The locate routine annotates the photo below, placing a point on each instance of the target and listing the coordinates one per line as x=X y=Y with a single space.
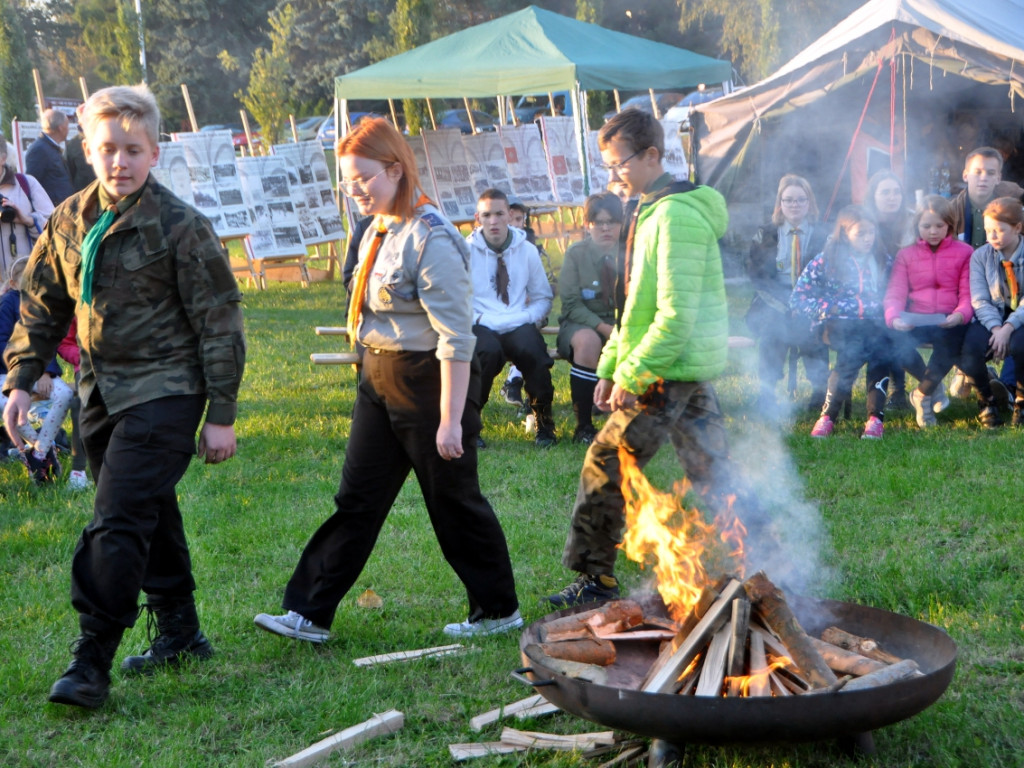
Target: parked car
x=529 y=108
x=681 y=111
x=307 y=127
x=326 y=133
x=643 y=101
x=457 y=118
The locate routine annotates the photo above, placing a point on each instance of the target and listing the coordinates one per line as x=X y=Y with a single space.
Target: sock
x=582 y=383
x=608 y=581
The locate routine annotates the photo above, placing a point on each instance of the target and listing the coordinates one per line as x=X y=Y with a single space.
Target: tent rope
x=856 y=132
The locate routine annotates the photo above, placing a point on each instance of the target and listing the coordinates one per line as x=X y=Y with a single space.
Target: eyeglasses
x=350 y=187
x=794 y=200
x=617 y=167
x=603 y=224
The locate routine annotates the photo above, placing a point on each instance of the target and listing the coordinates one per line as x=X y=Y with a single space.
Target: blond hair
x=134 y=106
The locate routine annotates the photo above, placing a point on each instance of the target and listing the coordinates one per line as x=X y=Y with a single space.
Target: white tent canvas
x=911 y=84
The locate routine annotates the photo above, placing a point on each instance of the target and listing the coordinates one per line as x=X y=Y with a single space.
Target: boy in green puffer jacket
x=670 y=341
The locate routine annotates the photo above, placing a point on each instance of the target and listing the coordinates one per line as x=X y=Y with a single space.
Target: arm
x=538 y=289
x=806 y=299
x=454 y=385
x=981 y=294
x=570 y=287
x=897 y=291
x=212 y=302
x=963 y=305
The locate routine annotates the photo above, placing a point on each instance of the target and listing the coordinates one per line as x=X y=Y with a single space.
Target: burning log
x=760 y=684
x=612 y=617
x=771 y=603
x=707 y=598
x=662 y=679
x=713 y=673
x=738 y=644
x=589 y=651
x=865 y=646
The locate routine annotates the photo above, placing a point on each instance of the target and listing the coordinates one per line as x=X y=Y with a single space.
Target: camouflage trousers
x=685 y=412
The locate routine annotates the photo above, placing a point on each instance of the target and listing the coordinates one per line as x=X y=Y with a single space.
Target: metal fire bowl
x=720 y=720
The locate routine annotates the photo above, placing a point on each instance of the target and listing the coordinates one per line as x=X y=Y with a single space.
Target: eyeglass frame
x=349 y=187
x=795 y=200
x=604 y=224
x=616 y=168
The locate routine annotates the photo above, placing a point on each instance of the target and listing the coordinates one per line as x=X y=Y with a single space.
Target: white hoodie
x=529 y=292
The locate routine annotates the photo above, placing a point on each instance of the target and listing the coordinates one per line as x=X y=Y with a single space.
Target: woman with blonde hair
x=416 y=406
x=24 y=209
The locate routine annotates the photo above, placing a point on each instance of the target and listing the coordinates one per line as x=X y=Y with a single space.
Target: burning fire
x=675 y=540
x=758 y=678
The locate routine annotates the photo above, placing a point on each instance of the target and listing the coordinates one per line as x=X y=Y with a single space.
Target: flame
x=758 y=676
x=675 y=540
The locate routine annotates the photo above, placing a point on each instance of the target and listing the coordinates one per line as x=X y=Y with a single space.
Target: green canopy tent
x=529 y=52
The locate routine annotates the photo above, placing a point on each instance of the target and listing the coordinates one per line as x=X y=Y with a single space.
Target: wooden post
x=551 y=103
x=654 y=104
x=469 y=115
x=295 y=130
x=430 y=111
x=618 y=104
x=188 y=106
x=394 y=115
x=248 y=132
x=512 y=111
x=40 y=99
x=84 y=87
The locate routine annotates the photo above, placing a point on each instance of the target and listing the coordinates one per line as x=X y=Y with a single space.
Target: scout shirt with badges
x=418 y=295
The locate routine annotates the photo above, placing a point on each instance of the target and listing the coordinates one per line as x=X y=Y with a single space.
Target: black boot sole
x=67 y=693
x=147 y=664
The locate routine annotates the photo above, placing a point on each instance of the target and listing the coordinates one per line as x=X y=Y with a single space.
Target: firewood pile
x=740 y=639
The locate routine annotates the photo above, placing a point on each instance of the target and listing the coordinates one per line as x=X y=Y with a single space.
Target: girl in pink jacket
x=929 y=302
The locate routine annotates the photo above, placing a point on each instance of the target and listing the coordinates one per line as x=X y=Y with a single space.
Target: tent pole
x=430 y=111
x=580 y=123
x=469 y=114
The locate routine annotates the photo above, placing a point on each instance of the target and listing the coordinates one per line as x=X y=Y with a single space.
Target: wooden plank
x=494 y=715
x=378 y=725
x=713 y=674
x=539 y=740
x=461 y=752
x=546 y=708
x=760 y=685
x=421 y=653
x=692 y=644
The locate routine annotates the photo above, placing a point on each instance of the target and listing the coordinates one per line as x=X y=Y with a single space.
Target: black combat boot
x=546 y=436
x=178 y=636
x=86 y=682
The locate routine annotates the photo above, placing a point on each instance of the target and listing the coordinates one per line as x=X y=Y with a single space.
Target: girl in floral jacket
x=841 y=293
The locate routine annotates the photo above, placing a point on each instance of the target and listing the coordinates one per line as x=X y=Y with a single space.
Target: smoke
x=787 y=537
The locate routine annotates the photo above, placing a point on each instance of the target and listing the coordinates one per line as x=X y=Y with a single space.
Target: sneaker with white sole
x=823 y=426
x=940 y=400
x=873 y=429
x=923 y=412
x=485 y=627
x=78 y=480
x=293 y=625
x=960 y=385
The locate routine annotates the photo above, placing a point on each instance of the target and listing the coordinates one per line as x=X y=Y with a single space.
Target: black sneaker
x=1001 y=395
x=989 y=417
x=512 y=391
x=42 y=470
x=584 y=434
x=546 y=437
x=898 y=401
x=586 y=589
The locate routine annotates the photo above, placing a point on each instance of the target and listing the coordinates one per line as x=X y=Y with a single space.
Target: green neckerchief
x=501 y=248
x=91 y=243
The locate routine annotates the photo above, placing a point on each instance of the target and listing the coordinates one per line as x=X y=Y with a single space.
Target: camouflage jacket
x=166 y=316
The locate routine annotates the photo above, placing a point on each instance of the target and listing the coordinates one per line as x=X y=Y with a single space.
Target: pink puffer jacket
x=930 y=282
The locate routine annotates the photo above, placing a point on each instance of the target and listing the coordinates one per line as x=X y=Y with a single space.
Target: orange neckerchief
x=1011 y=281
x=355 y=309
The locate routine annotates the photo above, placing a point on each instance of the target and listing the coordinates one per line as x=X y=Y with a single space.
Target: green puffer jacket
x=675 y=324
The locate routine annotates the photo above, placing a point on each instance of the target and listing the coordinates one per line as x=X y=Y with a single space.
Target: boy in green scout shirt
x=160 y=332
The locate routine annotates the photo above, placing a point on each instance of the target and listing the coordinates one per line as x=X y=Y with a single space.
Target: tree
x=411 y=24
x=16 y=91
x=268 y=94
x=110 y=30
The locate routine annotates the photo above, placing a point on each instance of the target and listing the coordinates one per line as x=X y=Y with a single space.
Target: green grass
x=924 y=523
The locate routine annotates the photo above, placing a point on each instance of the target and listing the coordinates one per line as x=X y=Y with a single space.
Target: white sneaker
x=293 y=625
x=78 y=480
x=485 y=627
x=922 y=409
x=960 y=386
x=940 y=401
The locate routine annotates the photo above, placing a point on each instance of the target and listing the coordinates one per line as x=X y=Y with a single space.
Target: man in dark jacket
x=44 y=158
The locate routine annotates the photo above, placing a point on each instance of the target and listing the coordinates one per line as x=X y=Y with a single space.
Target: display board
x=275 y=230
x=446 y=158
x=674 y=161
x=563 y=159
x=216 y=186
x=487 y=165
x=312 y=196
x=527 y=164
x=171 y=170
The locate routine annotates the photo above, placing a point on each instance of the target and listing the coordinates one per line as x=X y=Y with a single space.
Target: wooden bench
x=351 y=358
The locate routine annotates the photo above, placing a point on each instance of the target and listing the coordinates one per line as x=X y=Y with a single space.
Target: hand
x=901 y=325
x=621 y=399
x=16 y=415
x=952 y=321
x=602 y=392
x=217 y=442
x=44 y=387
x=449 y=440
x=999 y=342
x=605 y=330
